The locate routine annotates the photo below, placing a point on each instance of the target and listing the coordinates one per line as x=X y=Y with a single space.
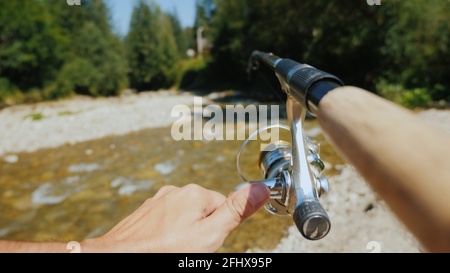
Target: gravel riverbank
x=360 y=221
x=51 y=124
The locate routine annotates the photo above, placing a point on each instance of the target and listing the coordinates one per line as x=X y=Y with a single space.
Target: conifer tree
x=151 y=48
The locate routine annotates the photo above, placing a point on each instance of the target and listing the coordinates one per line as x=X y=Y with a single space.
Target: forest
x=50 y=50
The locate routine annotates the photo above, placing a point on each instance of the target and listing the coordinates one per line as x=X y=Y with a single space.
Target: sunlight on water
x=127 y=186
x=77 y=168
x=55 y=193
x=166 y=167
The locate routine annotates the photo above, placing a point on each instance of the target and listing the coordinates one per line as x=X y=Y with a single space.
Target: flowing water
x=82 y=190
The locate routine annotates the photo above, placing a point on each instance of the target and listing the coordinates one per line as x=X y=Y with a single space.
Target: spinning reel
x=293 y=170
x=278 y=164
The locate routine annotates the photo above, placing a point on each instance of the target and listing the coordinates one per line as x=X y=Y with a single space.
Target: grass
x=67 y=113
x=35 y=116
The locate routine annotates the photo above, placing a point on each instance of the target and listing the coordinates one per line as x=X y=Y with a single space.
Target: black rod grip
x=303 y=81
x=312 y=220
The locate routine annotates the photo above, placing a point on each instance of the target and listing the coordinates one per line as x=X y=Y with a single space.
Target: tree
x=400 y=42
x=31 y=45
x=417 y=46
x=178 y=32
x=300 y=30
x=97 y=66
x=94 y=57
x=151 y=48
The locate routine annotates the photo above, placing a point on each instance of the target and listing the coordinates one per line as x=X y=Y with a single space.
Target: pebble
x=11 y=159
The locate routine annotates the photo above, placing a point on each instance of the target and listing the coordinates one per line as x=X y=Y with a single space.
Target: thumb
x=240 y=205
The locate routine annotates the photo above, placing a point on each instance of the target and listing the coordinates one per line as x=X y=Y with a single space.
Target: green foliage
x=405 y=42
x=417 y=45
x=71 y=18
x=191 y=73
x=179 y=34
x=96 y=65
x=151 y=48
x=50 y=50
x=205 y=12
x=8 y=92
x=417 y=97
x=5 y=87
x=321 y=33
x=95 y=59
x=31 y=46
x=35 y=116
x=412 y=98
x=77 y=75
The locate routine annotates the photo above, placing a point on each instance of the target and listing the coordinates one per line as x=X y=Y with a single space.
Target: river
x=83 y=189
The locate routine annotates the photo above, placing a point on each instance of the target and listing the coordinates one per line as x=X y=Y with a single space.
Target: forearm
x=94 y=245
x=404 y=160
x=32 y=247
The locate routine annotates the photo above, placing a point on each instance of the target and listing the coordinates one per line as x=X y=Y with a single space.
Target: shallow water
x=77 y=191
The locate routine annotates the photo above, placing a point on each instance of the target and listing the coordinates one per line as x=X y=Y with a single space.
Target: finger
x=239 y=206
x=201 y=201
x=164 y=190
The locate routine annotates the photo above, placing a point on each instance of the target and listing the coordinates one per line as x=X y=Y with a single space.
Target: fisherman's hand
x=186 y=219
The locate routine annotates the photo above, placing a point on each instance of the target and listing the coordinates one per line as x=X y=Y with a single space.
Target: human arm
x=403 y=159
x=176 y=219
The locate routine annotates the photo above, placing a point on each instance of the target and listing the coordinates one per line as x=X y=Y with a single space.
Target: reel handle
x=312 y=220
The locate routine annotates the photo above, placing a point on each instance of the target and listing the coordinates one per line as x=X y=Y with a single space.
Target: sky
x=121 y=12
